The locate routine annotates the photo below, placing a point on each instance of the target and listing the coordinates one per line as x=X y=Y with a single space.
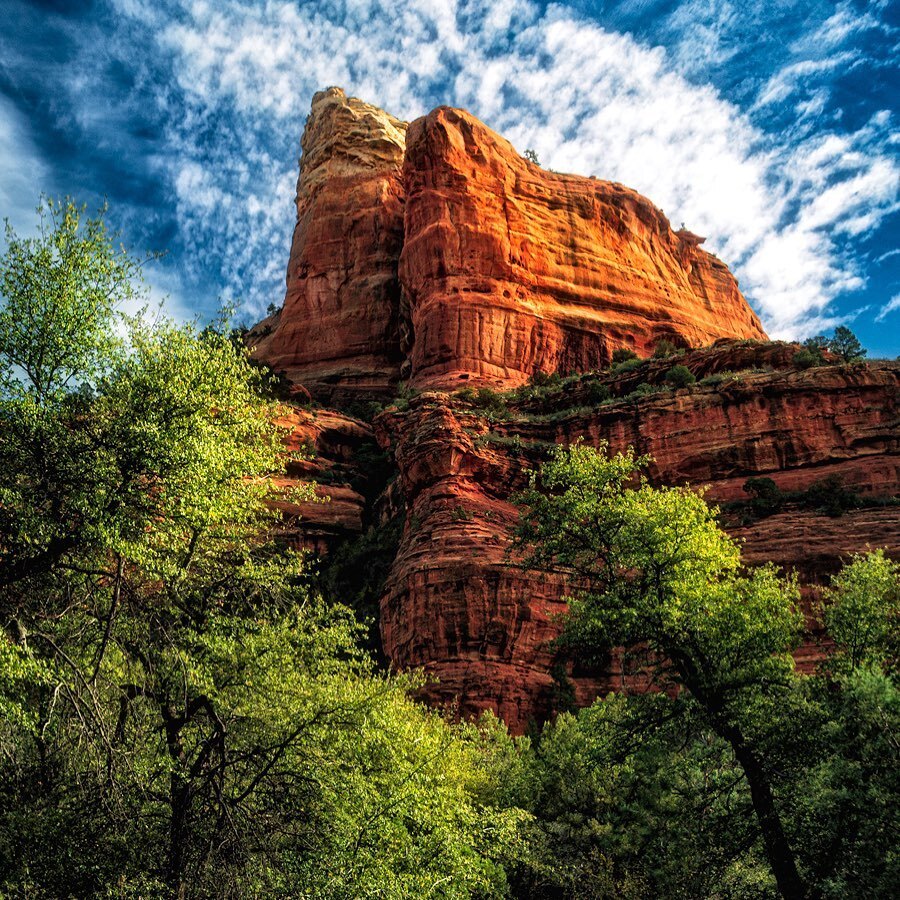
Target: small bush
x=807 y=358
x=829 y=496
x=544 y=379
x=766 y=496
x=680 y=376
x=627 y=365
x=623 y=354
x=598 y=392
x=642 y=390
x=664 y=348
x=717 y=378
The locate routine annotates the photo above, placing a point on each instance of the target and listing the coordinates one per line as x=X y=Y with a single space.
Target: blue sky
x=770 y=127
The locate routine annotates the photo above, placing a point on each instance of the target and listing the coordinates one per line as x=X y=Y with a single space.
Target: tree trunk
x=778 y=850
x=179 y=797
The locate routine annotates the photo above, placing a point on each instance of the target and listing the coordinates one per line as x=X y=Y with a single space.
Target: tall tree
x=651 y=566
x=180 y=716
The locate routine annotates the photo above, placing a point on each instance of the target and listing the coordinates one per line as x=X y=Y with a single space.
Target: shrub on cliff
x=680 y=376
x=807 y=357
x=623 y=354
x=664 y=348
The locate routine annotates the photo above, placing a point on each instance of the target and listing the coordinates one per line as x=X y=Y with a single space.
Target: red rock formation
x=323 y=446
x=458 y=605
x=508 y=268
x=339 y=328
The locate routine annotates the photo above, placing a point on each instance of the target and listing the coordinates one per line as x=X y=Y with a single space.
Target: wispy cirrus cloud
x=587 y=99
x=891 y=306
x=787 y=183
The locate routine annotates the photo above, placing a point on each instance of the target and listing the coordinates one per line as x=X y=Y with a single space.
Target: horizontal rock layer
x=457 y=604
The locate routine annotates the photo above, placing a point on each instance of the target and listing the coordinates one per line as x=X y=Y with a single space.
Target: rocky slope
x=459 y=605
x=434 y=258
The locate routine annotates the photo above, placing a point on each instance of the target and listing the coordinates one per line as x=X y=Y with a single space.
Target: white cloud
x=778 y=208
x=891 y=306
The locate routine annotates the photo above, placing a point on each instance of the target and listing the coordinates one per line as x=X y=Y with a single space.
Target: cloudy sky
x=768 y=125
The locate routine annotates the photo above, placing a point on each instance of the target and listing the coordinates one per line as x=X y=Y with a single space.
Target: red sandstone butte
x=339 y=326
x=508 y=268
x=436 y=251
x=435 y=254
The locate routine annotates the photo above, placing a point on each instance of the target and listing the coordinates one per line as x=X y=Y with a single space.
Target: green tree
x=635 y=797
x=861 y=612
x=657 y=569
x=180 y=717
x=845 y=345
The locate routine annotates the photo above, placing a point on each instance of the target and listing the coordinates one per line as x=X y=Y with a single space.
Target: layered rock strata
x=457 y=604
x=439 y=254
x=338 y=332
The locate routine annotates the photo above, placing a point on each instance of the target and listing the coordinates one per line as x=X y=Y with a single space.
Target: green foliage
x=717 y=378
x=355 y=574
x=845 y=345
x=766 y=496
x=862 y=611
x=598 y=393
x=531 y=156
x=60 y=291
x=623 y=354
x=123 y=443
x=634 y=798
x=642 y=390
x=657 y=570
x=680 y=376
x=180 y=716
x=664 y=348
x=826 y=495
x=540 y=378
x=629 y=364
x=807 y=358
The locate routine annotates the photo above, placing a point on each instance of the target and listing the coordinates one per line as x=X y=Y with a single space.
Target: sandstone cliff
x=339 y=326
x=438 y=253
x=432 y=258
x=508 y=269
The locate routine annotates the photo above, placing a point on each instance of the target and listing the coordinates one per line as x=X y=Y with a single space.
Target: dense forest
x=183 y=715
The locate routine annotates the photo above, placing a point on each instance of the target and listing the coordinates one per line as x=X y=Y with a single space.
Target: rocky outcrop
x=508 y=268
x=338 y=332
x=459 y=605
x=439 y=254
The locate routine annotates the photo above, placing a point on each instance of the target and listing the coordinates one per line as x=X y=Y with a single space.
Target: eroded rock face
x=459 y=605
x=438 y=253
x=509 y=269
x=338 y=333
